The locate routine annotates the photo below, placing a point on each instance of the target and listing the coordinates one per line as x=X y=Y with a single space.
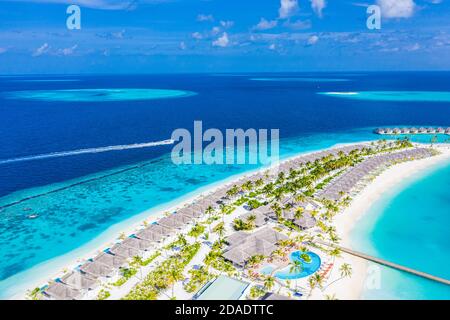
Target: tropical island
x=273 y=234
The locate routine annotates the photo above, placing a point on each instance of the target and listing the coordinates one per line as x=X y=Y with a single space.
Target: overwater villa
x=413 y=130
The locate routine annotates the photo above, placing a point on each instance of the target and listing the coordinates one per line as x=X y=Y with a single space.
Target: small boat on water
x=33 y=216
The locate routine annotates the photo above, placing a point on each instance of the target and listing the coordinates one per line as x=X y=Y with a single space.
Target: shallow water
x=410 y=226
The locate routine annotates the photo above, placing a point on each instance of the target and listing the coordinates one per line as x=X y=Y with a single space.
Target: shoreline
x=394 y=178
x=53 y=268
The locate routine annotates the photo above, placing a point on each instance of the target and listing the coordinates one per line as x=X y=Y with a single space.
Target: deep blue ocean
x=81 y=196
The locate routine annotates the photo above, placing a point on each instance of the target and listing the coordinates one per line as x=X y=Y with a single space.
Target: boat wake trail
x=87 y=151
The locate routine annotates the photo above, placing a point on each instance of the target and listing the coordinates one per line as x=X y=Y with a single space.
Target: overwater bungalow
x=447 y=131
x=405 y=130
x=431 y=130
x=60 y=291
x=389 y=131
x=440 y=130
x=422 y=130
x=396 y=131
x=414 y=130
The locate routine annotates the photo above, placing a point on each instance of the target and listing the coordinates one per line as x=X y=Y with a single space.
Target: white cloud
x=298 y=25
x=414 y=47
x=197 y=36
x=68 y=51
x=312 y=40
x=227 y=24
x=99 y=4
x=273 y=46
x=205 y=17
x=41 y=50
x=318 y=6
x=222 y=41
x=397 y=8
x=287 y=8
x=182 y=45
x=265 y=24
x=215 y=30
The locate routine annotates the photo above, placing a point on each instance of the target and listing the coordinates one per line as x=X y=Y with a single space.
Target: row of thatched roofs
x=347 y=181
x=106 y=264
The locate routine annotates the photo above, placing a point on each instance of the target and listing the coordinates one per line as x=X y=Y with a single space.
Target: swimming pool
x=308 y=268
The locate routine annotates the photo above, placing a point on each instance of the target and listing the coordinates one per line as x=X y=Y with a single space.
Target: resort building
x=59 y=291
x=244 y=245
x=260 y=218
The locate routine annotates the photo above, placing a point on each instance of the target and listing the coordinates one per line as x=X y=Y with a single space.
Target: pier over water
x=386 y=263
x=413 y=130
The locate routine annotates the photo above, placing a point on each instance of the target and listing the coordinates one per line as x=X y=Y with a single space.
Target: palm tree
x=251 y=220
x=174 y=275
x=316 y=280
x=137 y=263
x=346 y=272
x=295 y=267
x=220 y=229
x=299 y=212
x=269 y=282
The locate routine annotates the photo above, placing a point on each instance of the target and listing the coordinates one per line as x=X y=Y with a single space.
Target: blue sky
x=159 y=36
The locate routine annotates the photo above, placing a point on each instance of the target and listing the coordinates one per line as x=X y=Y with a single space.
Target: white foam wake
x=88 y=150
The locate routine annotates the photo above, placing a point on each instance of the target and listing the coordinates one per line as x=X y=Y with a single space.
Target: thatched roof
x=78 y=281
x=138 y=244
x=124 y=251
x=110 y=260
x=60 y=291
x=260 y=220
x=96 y=269
x=245 y=245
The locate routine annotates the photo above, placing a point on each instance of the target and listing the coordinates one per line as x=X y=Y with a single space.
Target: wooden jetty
x=387 y=263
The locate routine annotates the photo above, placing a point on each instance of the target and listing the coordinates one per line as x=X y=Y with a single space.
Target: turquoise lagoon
x=76 y=217
x=97 y=95
x=300 y=79
x=406 y=96
x=409 y=225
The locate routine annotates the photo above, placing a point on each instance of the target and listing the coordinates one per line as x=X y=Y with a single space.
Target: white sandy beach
x=352 y=288
x=42 y=273
x=344 y=224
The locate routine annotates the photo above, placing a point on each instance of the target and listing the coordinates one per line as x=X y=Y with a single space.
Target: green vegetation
x=198 y=278
x=164 y=275
x=127 y=273
x=197 y=231
x=256 y=292
x=103 y=294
